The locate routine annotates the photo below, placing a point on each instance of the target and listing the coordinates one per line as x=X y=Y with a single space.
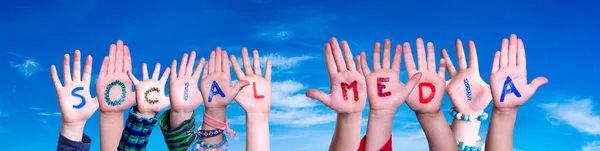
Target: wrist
x=382 y=114
x=72 y=131
x=429 y=114
x=216 y=113
x=112 y=113
x=501 y=110
x=257 y=117
x=349 y=117
x=176 y=118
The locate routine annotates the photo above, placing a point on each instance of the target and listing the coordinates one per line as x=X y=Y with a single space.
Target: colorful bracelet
x=466 y=117
x=463 y=147
x=206 y=133
x=223 y=144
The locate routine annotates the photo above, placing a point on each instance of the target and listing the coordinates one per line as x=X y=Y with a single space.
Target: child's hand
x=216 y=86
x=427 y=96
x=509 y=76
x=348 y=86
x=468 y=92
x=257 y=97
x=150 y=93
x=114 y=86
x=183 y=87
x=385 y=90
x=76 y=103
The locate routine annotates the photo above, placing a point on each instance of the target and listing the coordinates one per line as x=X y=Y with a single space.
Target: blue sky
x=560 y=37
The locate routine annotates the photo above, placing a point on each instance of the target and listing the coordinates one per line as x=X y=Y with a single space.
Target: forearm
x=257 y=129
x=72 y=131
x=379 y=128
x=111 y=126
x=438 y=133
x=137 y=131
x=466 y=131
x=500 y=133
x=177 y=138
x=347 y=132
x=177 y=118
x=219 y=115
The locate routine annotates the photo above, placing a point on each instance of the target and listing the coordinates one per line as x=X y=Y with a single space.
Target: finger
x=66 y=70
x=87 y=70
x=496 y=63
x=421 y=58
x=363 y=63
x=337 y=54
x=156 y=73
x=218 y=64
x=537 y=82
x=521 y=60
x=127 y=61
x=119 y=58
x=236 y=67
x=174 y=68
x=412 y=82
x=190 y=64
x=512 y=50
x=199 y=67
x=329 y=60
x=132 y=77
x=104 y=67
x=448 y=61
x=473 y=60
x=409 y=62
x=360 y=65
x=376 y=56
x=77 y=66
x=460 y=53
x=442 y=70
x=319 y=95
x=430 y=57
x=386 y=54
x=504 y=53
x=55 y=78
x=268 y=70
x=246 y=61
x=144 y=72
x=256 y=61
x=348 y=56
x=397 y=58
x=225 y=63
x=164 y=77
x=111 y=58
x=239 y=85
x=183 y=65
x=205 y=71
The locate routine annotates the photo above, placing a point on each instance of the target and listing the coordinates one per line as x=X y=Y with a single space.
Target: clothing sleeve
x=386 y=147
x=136 y=133
x=178 y=138
x=65 y=144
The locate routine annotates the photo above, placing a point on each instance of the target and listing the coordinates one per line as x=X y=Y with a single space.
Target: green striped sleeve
x=178 y=138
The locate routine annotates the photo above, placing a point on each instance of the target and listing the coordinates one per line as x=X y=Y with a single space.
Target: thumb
x=132 y=77
x=412 y=82
x=318 y=95
x=537 y=82
x=239 y=85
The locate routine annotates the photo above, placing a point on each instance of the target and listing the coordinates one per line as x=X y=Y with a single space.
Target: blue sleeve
x=65 y=144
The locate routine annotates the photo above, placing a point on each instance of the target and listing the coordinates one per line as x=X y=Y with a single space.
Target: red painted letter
x=381 y=86
x=430 y=97
x=256 y=95
x=346 y=86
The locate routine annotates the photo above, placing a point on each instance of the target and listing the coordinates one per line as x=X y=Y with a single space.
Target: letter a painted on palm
x=510 y=89
x=215 y=89
x=430 y=97
x=256 y=95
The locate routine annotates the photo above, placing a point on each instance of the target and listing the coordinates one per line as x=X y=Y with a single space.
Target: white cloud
x=279 y=62
x=309 y=23
x=301 y=117
x=286 y=95
x=275 y=34
x=27 y=66
x=409 y=140
x=49 y=114
x=577 y=113
x=592 y=146
x=35 y=108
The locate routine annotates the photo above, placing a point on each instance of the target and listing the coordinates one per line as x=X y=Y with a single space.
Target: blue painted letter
x=510 y=89
x=79 y=96
x=215 y=89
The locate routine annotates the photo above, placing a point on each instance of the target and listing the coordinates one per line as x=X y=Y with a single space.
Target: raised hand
x=216 y=86
x=509 y=76
x=114 y=86
x=76 y=103
x=427 y=96
x=257 y=97
x=385 y=90
x=468 y=92
x=183 y=88
x=347 y=85
x=150 y=93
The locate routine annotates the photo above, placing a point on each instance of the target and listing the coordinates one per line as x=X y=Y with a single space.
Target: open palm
x=217 y=76
x=393 y=92
x=417 y=100
x=511 y=62
x=183 y=89
x=151 y=92
x=114 y=86
x=257 y=97
x=75 y=109
x=342 y=71
x=467 y=91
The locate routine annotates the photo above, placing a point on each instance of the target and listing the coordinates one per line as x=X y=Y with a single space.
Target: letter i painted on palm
x=215 y=89
x=468 y=89
x=508 y=88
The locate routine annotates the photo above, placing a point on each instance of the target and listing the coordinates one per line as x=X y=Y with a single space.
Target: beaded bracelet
x=466 y=117
x=463 y=147
x=206 y=133
x=221 y=145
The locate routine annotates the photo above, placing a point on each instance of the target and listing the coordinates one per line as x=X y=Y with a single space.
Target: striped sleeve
x=178 y=138
x=136 y=133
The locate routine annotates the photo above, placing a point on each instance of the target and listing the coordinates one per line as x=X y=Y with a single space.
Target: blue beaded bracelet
x=466 y=117
x=463 y=147
x=208 y=146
